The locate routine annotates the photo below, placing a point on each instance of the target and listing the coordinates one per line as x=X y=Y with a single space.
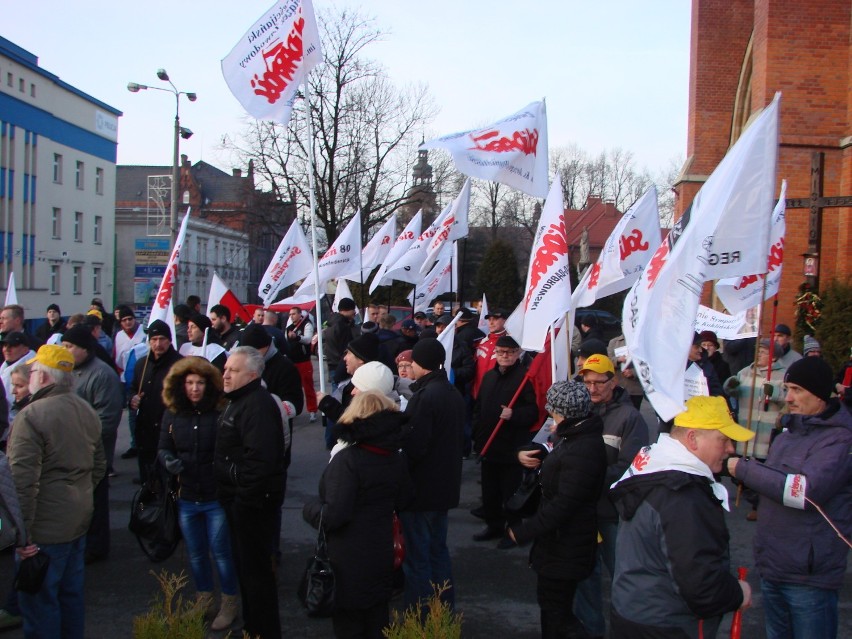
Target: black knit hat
x=158 y=328
x=201 y=321
x=429 y=354
x=125 y=311
x=80 y=335
x=365 y=347
x=813 y=374
x=507 y=341
x=255 y=335
x=346 y=304
x=592 y=346
x=54 y=307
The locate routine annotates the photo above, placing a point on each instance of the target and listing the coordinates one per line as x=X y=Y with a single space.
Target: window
x=96 y=280
x=98 y=223
x=75 y=280
x=10 y=80
x=78 y=226
x=21 y=85
x=80 y=176
x=54 y=279
x=32 y=90
x=99 y=181
x=57 y=168
x=56 y=224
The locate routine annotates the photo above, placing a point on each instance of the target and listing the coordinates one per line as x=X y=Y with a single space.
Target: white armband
x=794 y=491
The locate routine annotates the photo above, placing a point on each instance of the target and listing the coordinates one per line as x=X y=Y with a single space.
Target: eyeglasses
x=596 y=384
x=504 y=353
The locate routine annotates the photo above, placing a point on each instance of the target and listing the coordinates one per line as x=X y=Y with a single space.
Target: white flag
x=739 y=294
x=452 y=225
x=547 y=293
x=292 y=261
x=376 y=250
x=724 y=233
x=439 y=280
x=627 y=250
x=341 y=292
x=342 y=257
x=408 y=236
x=162 y=308
x=407 y=267
x=11 y=291
x=267 y=65
x=482 y=323
x=512 y=151
x=447 y=338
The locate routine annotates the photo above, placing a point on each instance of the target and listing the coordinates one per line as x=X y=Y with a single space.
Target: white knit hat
x=373 y=376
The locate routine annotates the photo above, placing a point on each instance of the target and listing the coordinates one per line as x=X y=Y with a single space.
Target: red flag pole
x=737 y=621
x=771 y=353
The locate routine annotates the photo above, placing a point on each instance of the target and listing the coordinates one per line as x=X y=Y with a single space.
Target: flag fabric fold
x=407 y=267
x=342 y=257
x=376 y=250
x=405 y=239
x=162 y=308
x=270 y=61
x=724 y=233
x=482 y=323
x=627 y=250
x=512 y=151
x=739 y=294
x=439 y=280
x=292 y=261
x=451 y=226
x=11 y=291
x=547 y=293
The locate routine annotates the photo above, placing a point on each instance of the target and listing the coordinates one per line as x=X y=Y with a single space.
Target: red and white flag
x=267 y=65
x=547 y=295
x=512 y=151
x=407 y=267
x=739 y=294
x=439 y=280
x=342 y=257
x=725 y=233
x=405 y=239
x=221 y=294
x=376 y=250
x=452 y=225
x=292 y=261
x=162 y=308
x=627 y=250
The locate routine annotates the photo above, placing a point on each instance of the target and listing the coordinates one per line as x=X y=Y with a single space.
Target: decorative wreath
x=808 y=309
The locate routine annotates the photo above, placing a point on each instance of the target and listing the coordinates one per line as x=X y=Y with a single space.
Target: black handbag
x=316 y=590
x=154 y=515
x=31 y=573
x=526 y=499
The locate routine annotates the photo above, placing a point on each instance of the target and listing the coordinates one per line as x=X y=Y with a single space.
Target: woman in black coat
x=362 y=486
x=192 y=392
x=564 y=528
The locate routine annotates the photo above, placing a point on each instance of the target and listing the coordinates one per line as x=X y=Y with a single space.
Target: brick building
x=742 y=52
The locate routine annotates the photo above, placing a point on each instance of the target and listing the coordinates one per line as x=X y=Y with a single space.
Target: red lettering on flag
x=631 y=243
x=554 y=243
x=282 y=63
x=594 y=275
x=657 y=262
x=525 y=141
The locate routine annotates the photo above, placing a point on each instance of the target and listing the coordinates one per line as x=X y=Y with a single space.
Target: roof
x=215 y=185
x=599 y=217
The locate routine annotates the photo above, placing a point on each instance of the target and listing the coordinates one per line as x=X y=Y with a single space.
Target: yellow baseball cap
x=96 y=313
x=711 y=413
x=54 y=356
x=598 y=364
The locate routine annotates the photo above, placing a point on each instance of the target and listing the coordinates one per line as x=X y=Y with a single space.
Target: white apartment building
x=57 y=188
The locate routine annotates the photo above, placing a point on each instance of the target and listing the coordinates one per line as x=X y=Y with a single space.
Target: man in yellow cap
x=672 y=568
x=624 y=433
x=57 y=459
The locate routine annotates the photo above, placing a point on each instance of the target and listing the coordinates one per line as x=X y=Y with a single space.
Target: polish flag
x=221 y=294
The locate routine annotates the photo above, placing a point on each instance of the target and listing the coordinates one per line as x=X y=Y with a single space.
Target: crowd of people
x=212 y=404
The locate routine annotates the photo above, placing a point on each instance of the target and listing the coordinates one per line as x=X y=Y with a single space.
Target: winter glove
x=172 y=464
x=731 y=385
x=768 y=390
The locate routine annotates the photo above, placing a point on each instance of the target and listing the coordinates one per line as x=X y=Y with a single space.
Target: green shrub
x=435 y=620
x=171 y=616
x=834 y=331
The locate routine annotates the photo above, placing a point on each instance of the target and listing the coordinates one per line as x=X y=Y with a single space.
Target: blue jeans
x=796 y=611
x=588 y=600
x=57 y=610
x=205 y=531
x=427 y=558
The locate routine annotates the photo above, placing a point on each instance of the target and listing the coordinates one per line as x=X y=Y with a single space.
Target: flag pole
x=552 y=358
x=313 y=202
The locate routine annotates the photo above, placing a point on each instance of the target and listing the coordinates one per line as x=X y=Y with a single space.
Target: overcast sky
x=614 y=72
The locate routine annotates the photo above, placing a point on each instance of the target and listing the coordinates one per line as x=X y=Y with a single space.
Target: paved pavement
x=495 y=588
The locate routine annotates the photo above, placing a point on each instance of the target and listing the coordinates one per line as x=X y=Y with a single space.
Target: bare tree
x=364 y=133
x=568 y=163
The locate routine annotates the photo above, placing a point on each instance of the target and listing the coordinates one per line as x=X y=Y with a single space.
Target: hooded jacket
x=564 y=528
x=809 y=459
x=99 y=385
x=359 y=490
x=672 y=566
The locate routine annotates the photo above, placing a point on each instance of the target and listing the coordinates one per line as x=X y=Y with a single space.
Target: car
x=608 y=323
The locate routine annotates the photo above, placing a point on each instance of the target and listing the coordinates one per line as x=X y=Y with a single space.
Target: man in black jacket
x=147 y=385
x=501 y=472
x=433 y=446
x=672 y=569
x=249 y=466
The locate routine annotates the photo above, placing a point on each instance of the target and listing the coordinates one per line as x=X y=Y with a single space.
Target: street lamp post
x=180 y=132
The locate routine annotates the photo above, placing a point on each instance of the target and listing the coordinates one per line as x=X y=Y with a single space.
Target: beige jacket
x=57 y=459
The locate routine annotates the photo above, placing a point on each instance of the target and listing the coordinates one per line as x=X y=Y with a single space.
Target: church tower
x=421 y=195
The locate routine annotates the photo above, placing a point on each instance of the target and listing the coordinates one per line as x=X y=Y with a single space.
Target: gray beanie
x=811 y=345
x=569 y=399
